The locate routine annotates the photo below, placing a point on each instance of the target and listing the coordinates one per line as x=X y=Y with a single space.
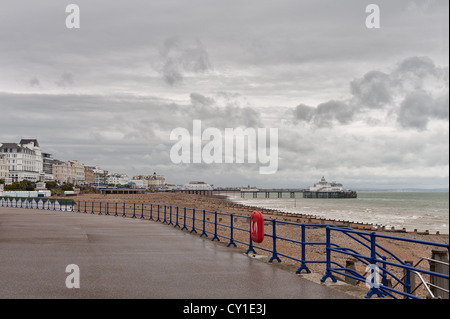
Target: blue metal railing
x=380 y=262
x=376 y=262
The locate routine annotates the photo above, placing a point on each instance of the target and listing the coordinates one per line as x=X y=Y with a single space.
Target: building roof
x=9 y=145
x=28 y=141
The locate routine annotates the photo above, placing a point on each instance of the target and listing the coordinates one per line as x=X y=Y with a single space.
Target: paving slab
x=131 y=258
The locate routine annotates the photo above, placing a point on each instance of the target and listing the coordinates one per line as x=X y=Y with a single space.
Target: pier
x=293 y=193
x=329 y=194
x=279 y=193
x=202 y=192
x=267 y=193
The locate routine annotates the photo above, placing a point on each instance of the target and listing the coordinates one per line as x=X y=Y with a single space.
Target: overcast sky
x=367 y=107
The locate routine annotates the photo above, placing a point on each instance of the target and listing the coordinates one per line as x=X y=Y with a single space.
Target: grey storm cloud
x=113 y=130
x=125 y=118
x=66 y=80
x=325 y=114
x=419 y=107
x=415 y=92
x=178 y=57
x=223 y=110
x=34 y=81
x=373 y=90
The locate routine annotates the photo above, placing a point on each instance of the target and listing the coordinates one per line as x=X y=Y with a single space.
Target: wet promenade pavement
x=131 y=258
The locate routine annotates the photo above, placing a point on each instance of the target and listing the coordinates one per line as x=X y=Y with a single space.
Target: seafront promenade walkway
x=131 y=258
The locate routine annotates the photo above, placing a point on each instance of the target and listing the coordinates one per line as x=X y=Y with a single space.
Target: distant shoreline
x=406 y=190
x=223 y=203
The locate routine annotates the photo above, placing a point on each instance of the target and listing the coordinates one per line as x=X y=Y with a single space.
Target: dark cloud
x=179 y=57
x=373 y=90
x=66 y=80
x=34 y=81
x=419 y=107
x=223 y=111
x=118 y=120
x=325 y=114
x=304 y=113
x=420 y=67
x=415 y=92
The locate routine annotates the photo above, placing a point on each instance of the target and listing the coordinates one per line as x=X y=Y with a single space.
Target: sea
x=412 y=210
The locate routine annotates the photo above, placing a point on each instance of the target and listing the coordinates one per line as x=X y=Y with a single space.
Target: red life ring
x=257 y=226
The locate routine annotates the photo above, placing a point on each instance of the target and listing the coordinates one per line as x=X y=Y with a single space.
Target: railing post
x=134 y=211
x=115 y=214
x=328 y=273
x=165 y=220
x=100 y=213
x=231 y=232
x=142 y=211
x=250 y=242
x=158 y=220
x=303 y=246
x=193 y=221
x=204 y=225
x=176 y=223
x=408 y=285
x=374 y=270
x=170 y=216
x=92 y=207
x=184 y=220
x=274 y=239
x=215 y=228
x=124 y=211
x=384 y=273
x=107 y=208
x=151 y=211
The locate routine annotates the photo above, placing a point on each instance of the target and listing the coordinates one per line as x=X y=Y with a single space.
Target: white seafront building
x=4 y=167
x=25 y=160
x=118 y=179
